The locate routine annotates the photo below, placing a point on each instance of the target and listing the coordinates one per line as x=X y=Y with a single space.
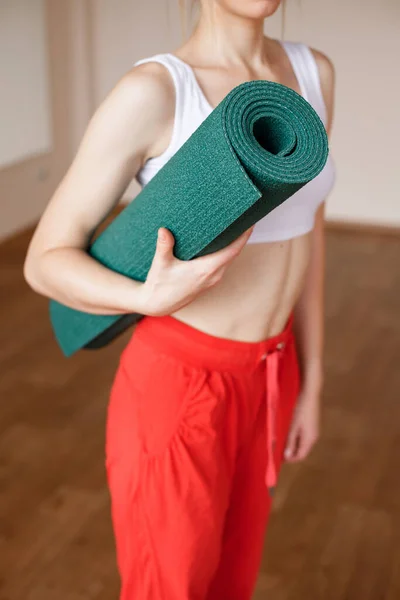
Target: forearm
x=309 y=312
x=74 y=278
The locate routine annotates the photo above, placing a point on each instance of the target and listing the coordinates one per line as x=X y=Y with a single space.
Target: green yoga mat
x=261 y=144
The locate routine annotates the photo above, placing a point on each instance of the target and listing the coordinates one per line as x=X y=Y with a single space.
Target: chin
x=253 y=9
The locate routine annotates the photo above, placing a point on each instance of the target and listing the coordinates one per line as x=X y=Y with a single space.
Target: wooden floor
x=335 y=529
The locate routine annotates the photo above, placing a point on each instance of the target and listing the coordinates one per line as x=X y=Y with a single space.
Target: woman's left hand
x=305 y=426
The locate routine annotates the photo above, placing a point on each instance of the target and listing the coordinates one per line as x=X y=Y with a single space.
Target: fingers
x=241 y=240
x=299 y=444
x=209 y=267
x=224 y=255
x=165 y=243
x=292 y=444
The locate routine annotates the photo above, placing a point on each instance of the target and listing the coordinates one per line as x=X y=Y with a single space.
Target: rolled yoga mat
x=261 y=144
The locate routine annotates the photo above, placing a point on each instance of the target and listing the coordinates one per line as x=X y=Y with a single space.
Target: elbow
x=31 y=270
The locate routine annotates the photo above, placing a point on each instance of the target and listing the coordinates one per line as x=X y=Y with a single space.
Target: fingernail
x=287 y=453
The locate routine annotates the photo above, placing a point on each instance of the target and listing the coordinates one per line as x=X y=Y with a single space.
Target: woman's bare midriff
x=256 y=294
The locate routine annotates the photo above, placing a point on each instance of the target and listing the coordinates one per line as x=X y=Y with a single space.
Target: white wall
x=25 y=107
x=362 y=38
x=126 y=30
x=81 y=85
x=27 y=184
x=123 y=32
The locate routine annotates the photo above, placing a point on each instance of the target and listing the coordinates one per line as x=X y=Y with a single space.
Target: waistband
x=171 y=336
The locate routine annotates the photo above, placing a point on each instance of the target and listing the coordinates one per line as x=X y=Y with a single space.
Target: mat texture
x=260 y=145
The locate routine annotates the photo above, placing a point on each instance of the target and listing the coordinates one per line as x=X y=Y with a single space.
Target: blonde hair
x=186 y=16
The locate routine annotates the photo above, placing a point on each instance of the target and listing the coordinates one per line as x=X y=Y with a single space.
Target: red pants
x=195 y=436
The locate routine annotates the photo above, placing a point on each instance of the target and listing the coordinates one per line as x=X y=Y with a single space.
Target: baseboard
x=19 y=238
x=362 y=228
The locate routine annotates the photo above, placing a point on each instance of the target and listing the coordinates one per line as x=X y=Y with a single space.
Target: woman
x=222 y=377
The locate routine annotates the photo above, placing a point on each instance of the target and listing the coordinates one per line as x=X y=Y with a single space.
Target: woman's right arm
x=132 y=124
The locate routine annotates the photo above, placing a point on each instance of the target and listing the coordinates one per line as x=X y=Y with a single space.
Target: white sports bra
x=296 y=215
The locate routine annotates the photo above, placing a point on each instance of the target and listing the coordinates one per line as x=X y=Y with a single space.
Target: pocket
x=176 y=400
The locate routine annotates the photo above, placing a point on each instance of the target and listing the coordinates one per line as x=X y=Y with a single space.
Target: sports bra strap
x=306 y=70
x=182 y=84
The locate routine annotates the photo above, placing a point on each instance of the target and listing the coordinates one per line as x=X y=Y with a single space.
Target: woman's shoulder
x=151 y=78
x=138 y=107
x=146 y=89
x=324 y=62
x=326 y=71
x=299 y=50
x=326 y=67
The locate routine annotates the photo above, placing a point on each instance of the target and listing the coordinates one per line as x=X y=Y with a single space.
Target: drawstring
x=272 y=365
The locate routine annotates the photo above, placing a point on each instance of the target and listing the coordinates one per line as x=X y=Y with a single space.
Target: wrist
x=312 y=377
x=140 y=300
x=144 y=301
x=132 y=297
